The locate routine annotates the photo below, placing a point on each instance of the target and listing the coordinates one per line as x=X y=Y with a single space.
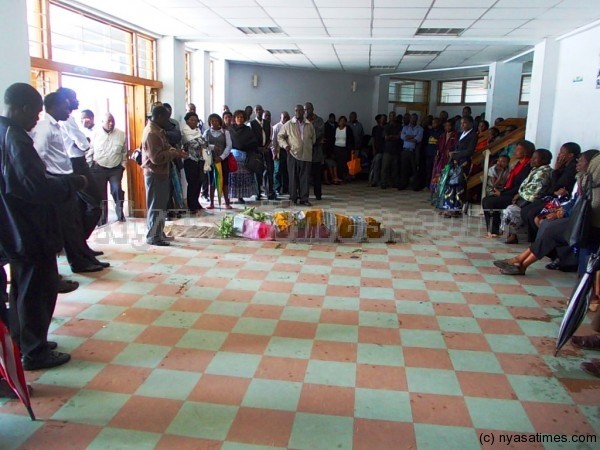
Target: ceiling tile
x=240 y=12
x=346 y=4
x=570 y=13
x=483 y=23
x=396 y=23
x=400 y=13
x=265 y=3
x=464 y=3
x=509 y=13
x=447 y=23
x=292 y=12
x=427 y=47
x=348 y=32
x=394 y=32
x=357 y=24
x=527 y=4
x=456 y=13
x=292 y=31
x=345 y=13
x=405 y=3
x=486 y=32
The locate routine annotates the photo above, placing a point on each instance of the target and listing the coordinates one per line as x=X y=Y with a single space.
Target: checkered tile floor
x=238 y=344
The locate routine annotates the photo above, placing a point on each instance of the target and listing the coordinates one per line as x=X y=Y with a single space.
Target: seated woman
x=552 y=229
x=500 y=198
x=221 y=147
x=482 y=136
x=560 y=188
x=530 y=190
x=497 y=174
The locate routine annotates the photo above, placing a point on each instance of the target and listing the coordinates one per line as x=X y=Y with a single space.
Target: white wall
x=576 y=109
x=14 y=47
x=281 y=89
x=171 y=71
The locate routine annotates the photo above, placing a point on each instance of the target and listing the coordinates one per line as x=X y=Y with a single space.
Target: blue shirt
x=409 y=130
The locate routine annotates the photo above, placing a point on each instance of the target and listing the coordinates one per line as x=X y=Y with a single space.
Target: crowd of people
x=53 y=189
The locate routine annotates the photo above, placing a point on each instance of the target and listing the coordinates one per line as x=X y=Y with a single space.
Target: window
x=525 y=88
x=458 y=92
x=188 y=78
x=408 y=91
x=66 y=35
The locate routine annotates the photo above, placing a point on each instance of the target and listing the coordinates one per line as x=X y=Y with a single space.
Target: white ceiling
x=356 y=35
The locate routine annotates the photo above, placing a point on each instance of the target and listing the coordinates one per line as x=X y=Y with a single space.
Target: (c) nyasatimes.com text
x=508 y=439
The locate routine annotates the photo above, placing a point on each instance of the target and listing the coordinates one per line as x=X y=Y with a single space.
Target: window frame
x=523 y=76
x=463 y=92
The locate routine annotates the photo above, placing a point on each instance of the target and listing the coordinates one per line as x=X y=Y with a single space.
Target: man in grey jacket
x=297 y=137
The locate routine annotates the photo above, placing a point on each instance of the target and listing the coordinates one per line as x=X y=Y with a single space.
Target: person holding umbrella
x=220 y=140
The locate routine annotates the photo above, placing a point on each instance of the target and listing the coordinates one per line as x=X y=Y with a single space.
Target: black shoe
x=241 y=201
x=318 y=198
x=96 y=252
x=103 y=264
x=306 y=203
x=160 y=243
x=121 y=219
x=272 y=197
x=258 y=197
x=50 y=359
x=51 y=345
x=89 y=268
x=167 y=238
x=66 y=286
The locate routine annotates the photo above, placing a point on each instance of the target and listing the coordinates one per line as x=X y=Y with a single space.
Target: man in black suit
x=262 y=130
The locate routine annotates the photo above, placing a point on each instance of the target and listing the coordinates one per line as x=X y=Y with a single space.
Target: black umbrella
x=578 y=303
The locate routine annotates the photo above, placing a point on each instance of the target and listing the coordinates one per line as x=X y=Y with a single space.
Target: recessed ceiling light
x=382 y=67
x=284 y=51
x=422 y=52
x=260 y=30
x=439 y=31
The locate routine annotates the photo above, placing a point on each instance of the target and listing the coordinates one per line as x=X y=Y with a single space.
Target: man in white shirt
x=87 y=120
x=76 y=145
x=108 y=160
x=48 y=141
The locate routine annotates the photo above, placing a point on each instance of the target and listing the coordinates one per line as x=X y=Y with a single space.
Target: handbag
x=232 y=164
x=578 y=226
x=136 y=155
x=255 y=162
x=354 y=167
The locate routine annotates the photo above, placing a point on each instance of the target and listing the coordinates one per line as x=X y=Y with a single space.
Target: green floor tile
x=136 y=287
x=221 y=272
x=490 y=312
x=115 y=438
x=119 y=331
x=386 y=355
x=202 y=339
x=202 y=293
x=15 y=430
x=422 y=338
x=543 y=291
x=569 y=367
x=500 y=343
x=183 y=281
x=255 y=325
x=226 y=308
x=173 y=384
x=437 y=276
x=320 y=432
x=539 y=389
x=176 y=319
x=91 y=407
x=382 y=405
x=101 y=312
x=341 y=280
x=160 y=302
x=233 y=364
x=432 y=381
x=435 y=437
x=405 y=267
x=462 y=269
x=523 y=301
x=493 y=414
x=335 y=332
x=377 y=319
x=376 y=273
x=539 y=328
x=271 y=298
x=301 y=314
x=475 y=288
x=474 y=361
x=458 y=324
x=377 y=293
x=244 y=284
x=592 y=415
x=331 y=373
x=401 y=283
x=344 y=303
x=66 y=343
x=239 y=446
x=215 y=420
x=142 y=355
x=414 y=307
x=430 y=260
x=309 y=289
x=290 y=277
x=87 y=296
x=446 y=297
x=74 y=374
x=501 y=279
x=273 y=394
x=316 y=269
x=289 y=347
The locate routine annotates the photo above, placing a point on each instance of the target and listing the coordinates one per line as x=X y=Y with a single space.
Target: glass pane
x=451 y=91
x=525 y=88
x=476 y=91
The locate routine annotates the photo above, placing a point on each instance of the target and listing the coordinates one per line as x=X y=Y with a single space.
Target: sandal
x=587 y=342
x=512 y=270
x=503 y=263
x=591 y=367
x=512 y=239
x=554 y=265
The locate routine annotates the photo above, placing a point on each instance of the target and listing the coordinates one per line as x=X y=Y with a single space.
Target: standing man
x=357 y=130
x=76 y=144
x=108 y=160
x=298 y=137
x=412 y=135
x=280 y=172
x=317 y=151
x=49 y=143
x=157 y=155
x=30 y=232
x=87 y=120
x=262 y=132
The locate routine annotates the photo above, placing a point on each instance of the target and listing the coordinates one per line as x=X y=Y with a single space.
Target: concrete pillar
x=171 y=71
x=503 y=90
x=542 y=96
x=14 y=48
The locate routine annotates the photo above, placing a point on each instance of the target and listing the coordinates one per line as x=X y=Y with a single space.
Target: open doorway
x=102 y=97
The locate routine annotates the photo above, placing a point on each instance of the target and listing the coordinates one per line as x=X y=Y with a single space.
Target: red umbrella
x=12 y=370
